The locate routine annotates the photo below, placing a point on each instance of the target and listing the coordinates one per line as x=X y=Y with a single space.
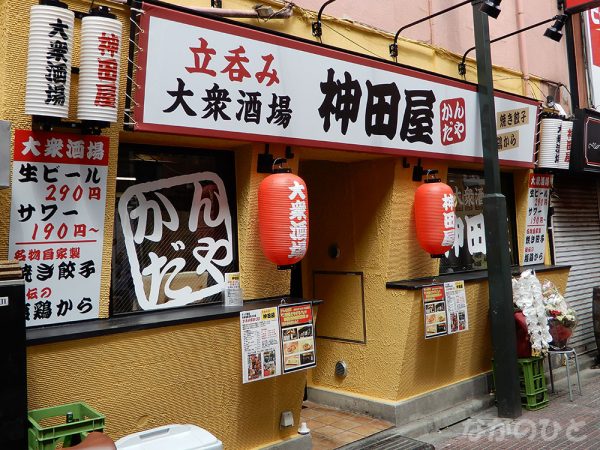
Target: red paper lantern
x=283 y=217
x=434 y=216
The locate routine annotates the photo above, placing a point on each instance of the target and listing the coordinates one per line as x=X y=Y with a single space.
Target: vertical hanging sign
x=538 y=199
x=57 y=223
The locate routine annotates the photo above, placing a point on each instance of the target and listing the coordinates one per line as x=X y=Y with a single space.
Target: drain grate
x=387 y=440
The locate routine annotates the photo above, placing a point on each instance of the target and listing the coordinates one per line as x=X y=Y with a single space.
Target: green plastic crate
x=48 y=427
x=531 y=367
x=532 y=385
x=532 y=380
x=533 y=402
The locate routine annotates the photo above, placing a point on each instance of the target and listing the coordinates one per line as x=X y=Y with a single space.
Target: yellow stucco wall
x=183 y=374
x=374 y=229
x=188 y=374
x=191 y=373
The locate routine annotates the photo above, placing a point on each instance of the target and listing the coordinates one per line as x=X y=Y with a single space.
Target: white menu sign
x=57 y=223
x=456 y=306
x=538 y=199
x=261 y=354
x=217 y=79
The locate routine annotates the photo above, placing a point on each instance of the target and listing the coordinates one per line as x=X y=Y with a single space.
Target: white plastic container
x=171 y=437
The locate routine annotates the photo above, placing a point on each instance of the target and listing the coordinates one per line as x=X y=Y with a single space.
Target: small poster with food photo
x=307 y=358
x=269 y=363
x=306 y=345
x=453 y=322
x=290 y=334
x=291 y=363
x=305 y=331
x=290 y=348
x=254 y=366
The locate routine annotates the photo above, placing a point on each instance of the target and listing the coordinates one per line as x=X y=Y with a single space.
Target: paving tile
x=346 y=424
x=329 y=418
x=328 y=431
x=384 y=425
x=314 y=424
x=362 y=419
x=323 y=443
x=310 y=413
x=348 y=436
x=367 y=430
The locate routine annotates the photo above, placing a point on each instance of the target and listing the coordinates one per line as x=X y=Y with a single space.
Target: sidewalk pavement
x=561 y=425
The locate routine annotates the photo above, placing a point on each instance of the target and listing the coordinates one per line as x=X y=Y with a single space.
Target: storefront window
x=469 y=251
x=175 y=228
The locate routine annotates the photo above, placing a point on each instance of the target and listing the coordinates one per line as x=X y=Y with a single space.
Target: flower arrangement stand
x=568 y=353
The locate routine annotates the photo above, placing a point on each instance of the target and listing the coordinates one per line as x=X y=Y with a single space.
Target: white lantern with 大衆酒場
x=49 y=60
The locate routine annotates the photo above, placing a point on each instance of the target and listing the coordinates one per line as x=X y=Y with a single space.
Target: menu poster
x=445 y=308
x=538 y=200
x=297 y=337
x=456 y=306
x=57 y=223
x=232 y=294
x=261 y=358
x=434 y=303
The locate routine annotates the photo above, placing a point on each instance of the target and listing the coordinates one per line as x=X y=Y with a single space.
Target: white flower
x=527 y=295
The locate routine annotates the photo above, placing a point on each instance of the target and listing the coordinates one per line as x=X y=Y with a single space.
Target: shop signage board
x=592 y=38
x=57 y=223
x=585 y=149
x=297 y=337
x=261 y=345
x=538 y=199
x=217 y=79
x=445 y=309
x=592 y=142
x=573 y=6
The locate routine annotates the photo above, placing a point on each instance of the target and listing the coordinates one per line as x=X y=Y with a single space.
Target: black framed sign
x=585 y=151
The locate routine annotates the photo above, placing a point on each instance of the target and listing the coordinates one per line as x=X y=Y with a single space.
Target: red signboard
x=594 y=37
x=573 y=6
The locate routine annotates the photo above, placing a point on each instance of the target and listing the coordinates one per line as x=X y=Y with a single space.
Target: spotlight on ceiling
x=491 y=8
x=555 y=31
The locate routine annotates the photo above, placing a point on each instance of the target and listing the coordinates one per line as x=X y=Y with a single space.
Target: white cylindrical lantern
x=549 y=149
x=566 y=138
x=99 y=68
x=49 y=61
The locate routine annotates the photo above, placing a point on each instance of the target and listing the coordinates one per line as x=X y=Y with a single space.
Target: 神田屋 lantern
x=283 y=217
x=101 y=35
x=435 y=217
